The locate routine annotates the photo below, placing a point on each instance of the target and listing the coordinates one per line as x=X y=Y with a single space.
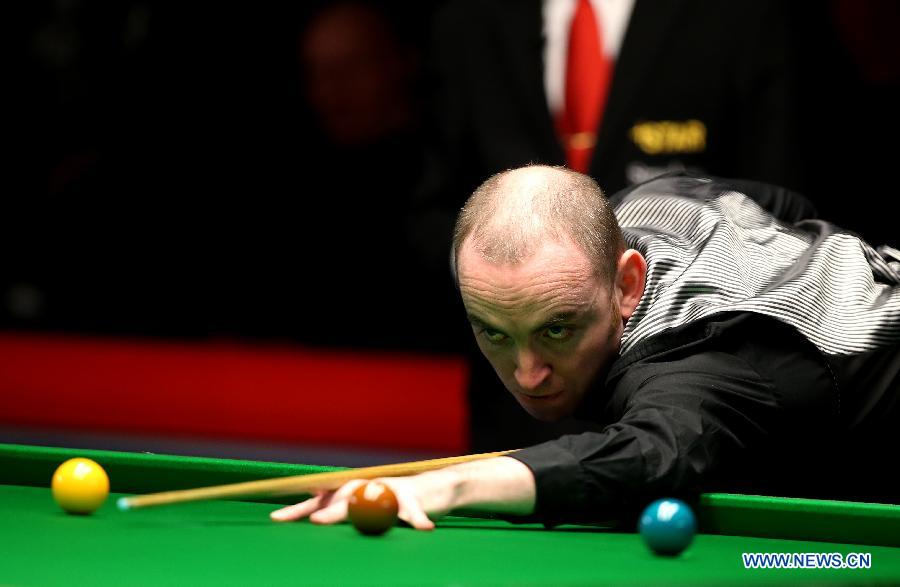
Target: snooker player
x=714 y=338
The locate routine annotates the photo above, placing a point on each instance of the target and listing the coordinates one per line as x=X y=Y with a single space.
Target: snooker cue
x=296 y=484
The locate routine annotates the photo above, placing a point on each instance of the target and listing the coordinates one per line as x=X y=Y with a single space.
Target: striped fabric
x=718 y=251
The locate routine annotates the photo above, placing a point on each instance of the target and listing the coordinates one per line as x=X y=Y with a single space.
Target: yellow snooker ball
x=80 y=486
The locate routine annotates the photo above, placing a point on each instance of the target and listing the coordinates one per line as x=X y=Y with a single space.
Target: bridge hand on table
x=421 y=498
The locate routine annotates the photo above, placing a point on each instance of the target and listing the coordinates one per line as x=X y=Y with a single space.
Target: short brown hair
x=510 y=212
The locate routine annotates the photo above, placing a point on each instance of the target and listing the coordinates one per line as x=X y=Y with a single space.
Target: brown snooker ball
x=373 y=508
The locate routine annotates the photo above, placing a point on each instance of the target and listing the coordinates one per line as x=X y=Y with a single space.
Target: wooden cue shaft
x=297 y=483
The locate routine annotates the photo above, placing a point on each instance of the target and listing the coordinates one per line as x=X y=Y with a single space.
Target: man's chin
x=546 y=409
x=548 y=417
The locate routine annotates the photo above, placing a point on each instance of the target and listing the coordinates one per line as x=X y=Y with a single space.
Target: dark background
x=167 y=174
x=168 y=177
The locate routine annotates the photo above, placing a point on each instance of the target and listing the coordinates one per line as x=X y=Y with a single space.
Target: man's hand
x=421 y=498
x=501 y=485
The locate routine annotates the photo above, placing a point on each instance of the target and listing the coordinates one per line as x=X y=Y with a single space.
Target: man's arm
x=502 y=486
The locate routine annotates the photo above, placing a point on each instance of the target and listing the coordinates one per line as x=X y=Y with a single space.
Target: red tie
x=588 y=74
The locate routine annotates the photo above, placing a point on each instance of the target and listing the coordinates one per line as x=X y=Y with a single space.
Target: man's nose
x=531 y=370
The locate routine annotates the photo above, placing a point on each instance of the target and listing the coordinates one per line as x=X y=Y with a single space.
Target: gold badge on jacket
x=669 y=137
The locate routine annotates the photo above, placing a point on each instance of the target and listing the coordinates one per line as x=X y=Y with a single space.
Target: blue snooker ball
x=667 y=526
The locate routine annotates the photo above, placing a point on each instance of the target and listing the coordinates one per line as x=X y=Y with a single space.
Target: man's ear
x=631 y=276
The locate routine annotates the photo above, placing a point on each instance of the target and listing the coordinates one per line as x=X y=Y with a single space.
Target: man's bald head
x=513 y=212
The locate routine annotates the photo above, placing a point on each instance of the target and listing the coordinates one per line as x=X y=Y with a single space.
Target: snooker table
x=234 y=543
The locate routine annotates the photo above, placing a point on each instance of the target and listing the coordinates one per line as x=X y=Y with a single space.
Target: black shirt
x=765 y=392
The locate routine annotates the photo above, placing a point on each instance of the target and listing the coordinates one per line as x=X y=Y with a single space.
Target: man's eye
x=494 y=336
x=558 y=332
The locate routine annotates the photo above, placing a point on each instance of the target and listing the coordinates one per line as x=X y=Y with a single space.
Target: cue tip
x=123 y=504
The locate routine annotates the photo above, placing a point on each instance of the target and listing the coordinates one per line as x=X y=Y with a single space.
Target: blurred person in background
x=358 y=76
x=360 y=73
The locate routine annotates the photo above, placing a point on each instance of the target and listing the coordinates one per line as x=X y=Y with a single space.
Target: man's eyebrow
x=476 y=320
x=554 y=320
x=560 y=318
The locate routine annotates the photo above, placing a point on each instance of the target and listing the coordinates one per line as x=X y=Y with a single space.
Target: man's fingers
x=417 y=519
x=327 y=507
x=298 y=511
x=333 y=514
x=330 y=507
x=336 y=510
x=411 y=510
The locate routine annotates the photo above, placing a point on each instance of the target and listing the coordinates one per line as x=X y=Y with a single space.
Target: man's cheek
x=484 y=348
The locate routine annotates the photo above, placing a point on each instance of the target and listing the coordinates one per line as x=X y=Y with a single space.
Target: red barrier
x=234 y=391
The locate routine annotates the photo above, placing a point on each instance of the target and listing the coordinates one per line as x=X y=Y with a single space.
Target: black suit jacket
x=699 y=84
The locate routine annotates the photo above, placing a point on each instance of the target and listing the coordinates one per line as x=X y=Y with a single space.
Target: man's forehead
x=549 y=282
x=547 y=253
